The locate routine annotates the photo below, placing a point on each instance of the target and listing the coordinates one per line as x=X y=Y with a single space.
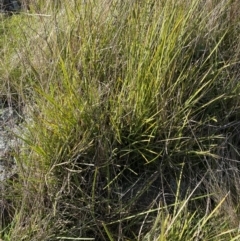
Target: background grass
x=130 y=118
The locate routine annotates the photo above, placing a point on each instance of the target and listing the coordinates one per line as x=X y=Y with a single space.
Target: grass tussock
x=129 y=120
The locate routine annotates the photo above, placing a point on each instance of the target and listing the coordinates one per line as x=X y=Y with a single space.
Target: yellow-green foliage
x=131 y=119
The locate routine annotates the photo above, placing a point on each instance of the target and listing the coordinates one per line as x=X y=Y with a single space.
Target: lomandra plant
x=128 y=109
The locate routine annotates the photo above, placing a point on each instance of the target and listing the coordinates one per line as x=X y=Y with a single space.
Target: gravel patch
x=8 y=142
